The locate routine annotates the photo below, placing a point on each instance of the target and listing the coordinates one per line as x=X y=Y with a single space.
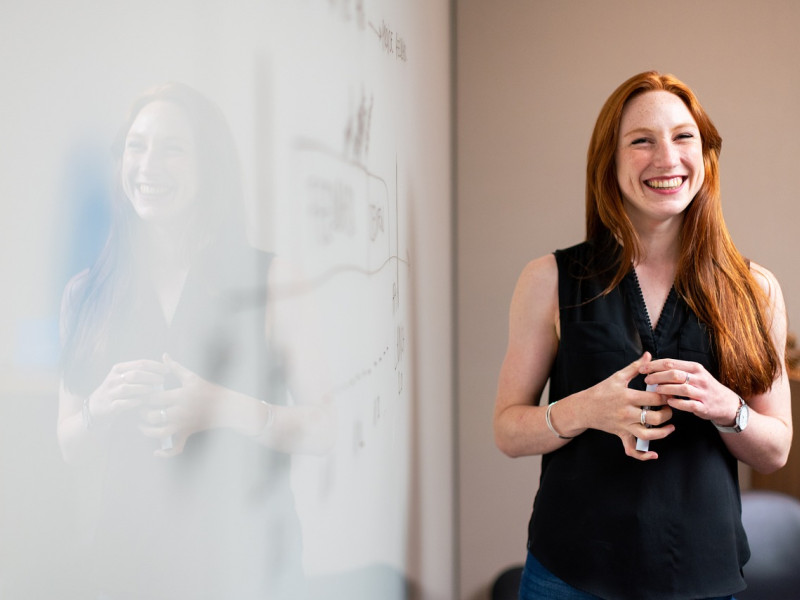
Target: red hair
x=712 y=277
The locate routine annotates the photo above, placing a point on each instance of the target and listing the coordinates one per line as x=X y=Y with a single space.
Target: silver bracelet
x=550 y=425
x=269 y=421
x=86 y=414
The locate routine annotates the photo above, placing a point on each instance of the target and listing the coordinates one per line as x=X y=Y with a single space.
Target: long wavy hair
x=106 y=292
x=712 y=276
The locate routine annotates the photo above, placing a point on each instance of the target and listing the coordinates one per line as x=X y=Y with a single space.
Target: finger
x=158 y=431
x=688 y=405
x=177 y=446
x=644 y=398
x=656 y=418
x=635 y=368
x=155 y=418
x=124 y=404
x=679 y=392
x=136 y=390
x=144 y=364
x=143 y=377
x=165 y=399
x=181 y=372
x=654 y=433
x=157 y=423
x=675 y=381
x=629 y=443
x=669 y=364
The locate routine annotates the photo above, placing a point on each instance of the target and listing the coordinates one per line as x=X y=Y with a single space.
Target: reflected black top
x=216 y=521
x=609 y=524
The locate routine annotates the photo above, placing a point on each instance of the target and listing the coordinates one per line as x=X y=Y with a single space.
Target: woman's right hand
x=124 y=388
x=617 y=409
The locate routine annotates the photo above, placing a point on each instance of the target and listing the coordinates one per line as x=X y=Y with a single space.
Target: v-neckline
x=168 y=307
x=647 y=329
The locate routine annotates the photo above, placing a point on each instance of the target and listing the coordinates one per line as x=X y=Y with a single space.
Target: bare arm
x=519 y=425
x=766 y=447
x=84 y=420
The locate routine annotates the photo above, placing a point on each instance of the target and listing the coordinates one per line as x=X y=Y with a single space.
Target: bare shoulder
x=535 y=298
x=73 y=292
x=768 y=282
x=539 y=275
x=74 y=289
x=777 y=306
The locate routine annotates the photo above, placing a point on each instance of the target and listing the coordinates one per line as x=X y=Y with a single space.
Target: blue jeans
x=540 y=584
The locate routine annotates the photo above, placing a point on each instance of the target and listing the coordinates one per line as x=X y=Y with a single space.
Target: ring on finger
x=643 y=416
x=163 y=413
x=686 y=381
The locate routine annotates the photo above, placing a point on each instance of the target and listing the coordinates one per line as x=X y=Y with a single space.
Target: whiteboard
x=341 y=113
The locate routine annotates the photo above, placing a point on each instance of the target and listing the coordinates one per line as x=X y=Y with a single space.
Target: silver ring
x=163 y=412
x=643 y=416
x=686 y=381
x=122 y=377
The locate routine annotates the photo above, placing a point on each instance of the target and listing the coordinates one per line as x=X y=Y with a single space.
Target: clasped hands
x=681 y=385
x=173 y=414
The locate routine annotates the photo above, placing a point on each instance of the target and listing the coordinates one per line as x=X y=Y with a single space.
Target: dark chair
x=506 y=584
x=772 y=523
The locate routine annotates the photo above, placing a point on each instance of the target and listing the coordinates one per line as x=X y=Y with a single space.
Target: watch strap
x=736 y=427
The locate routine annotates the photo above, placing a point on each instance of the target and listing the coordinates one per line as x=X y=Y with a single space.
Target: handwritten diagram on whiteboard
x=338 y=212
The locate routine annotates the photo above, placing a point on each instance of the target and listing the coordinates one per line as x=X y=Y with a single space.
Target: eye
x=685 y=136
x=175 y=149
x=639 y=141
x=134 y=144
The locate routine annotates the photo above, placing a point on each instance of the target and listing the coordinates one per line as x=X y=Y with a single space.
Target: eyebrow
x=167 y=138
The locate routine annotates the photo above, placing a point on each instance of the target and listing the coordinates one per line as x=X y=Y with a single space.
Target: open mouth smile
x=153 y=189
x=671 y=183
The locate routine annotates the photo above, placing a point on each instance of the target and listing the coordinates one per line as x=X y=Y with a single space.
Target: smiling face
x=659 y=157
x=159 y=163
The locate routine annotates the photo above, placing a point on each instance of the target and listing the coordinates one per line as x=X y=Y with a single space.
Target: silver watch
x=742 y=415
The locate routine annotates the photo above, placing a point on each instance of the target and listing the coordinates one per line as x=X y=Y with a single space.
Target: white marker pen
x=644 y=445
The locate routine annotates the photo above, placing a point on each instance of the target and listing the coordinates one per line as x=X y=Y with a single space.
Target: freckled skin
x=659 y=141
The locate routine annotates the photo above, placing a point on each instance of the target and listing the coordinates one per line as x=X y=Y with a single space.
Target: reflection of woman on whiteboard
x=664 y=349
x=174 y=384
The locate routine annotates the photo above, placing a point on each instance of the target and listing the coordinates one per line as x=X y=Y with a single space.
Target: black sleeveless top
x=609 y=524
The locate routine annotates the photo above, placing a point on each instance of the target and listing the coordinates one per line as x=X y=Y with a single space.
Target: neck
x=660 y=244
x=165 y=248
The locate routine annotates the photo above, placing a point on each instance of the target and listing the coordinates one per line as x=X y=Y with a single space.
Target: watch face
x=741 y=418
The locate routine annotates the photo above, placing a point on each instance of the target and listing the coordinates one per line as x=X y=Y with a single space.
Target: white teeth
x=146 y=188
x=663 y=184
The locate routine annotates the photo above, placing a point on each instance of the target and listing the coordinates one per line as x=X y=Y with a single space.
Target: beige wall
x=531 y=77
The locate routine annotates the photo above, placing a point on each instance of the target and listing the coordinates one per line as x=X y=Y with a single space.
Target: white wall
x=531 y=78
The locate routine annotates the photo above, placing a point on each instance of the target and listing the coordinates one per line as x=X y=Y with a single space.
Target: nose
x=666 y=155
x=151 y=159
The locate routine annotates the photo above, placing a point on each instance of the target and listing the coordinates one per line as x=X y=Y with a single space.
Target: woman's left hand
x=175 y=415
x=691 y=388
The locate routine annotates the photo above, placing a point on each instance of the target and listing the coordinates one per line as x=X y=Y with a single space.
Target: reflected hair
x=712 y=277
x=217 y=215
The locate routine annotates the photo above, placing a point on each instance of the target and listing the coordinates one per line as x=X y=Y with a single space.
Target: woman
x=657 y=329
x=173 y=387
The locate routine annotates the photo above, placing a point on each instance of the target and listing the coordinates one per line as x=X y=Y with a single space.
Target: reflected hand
x=689 y=387
x=617 y=409
x=180 y=412
x=125 y=387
